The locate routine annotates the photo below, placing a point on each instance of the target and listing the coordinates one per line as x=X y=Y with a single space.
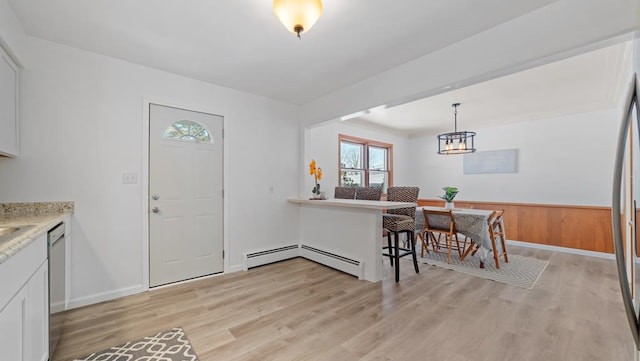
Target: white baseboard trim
x=105 y=296
x=195 y=279
x=276 y=254
x=111 y=295
x=562 y=249
x=347 y=265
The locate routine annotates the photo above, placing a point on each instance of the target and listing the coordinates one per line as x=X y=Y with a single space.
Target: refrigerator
x=624 y=210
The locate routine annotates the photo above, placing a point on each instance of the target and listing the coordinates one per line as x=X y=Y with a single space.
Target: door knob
x=155 y=197
x=155 y=210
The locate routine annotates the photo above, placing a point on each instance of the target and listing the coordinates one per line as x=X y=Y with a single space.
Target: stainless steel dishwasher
x=57 y=287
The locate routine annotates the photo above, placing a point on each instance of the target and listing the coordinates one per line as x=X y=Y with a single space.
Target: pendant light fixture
x=298 y=15
x=456 y=142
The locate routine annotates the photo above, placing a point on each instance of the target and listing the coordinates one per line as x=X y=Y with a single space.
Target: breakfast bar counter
x=345 y=234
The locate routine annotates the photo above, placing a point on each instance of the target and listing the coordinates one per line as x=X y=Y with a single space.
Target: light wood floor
x=299 y=310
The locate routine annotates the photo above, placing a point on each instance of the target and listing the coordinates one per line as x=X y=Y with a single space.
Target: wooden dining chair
x=344 y=193
x=440 y=223
x=495 y=224
x=369 y=193
x=496 y=230
x=397 y=221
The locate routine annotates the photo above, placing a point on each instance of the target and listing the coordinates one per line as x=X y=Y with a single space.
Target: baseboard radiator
x=344 y=264
x=260 y=258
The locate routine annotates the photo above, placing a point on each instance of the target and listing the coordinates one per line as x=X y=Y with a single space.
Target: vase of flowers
x=448 y=196
x=316 y=172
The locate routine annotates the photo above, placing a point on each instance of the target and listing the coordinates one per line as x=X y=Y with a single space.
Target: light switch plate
x=129 y=178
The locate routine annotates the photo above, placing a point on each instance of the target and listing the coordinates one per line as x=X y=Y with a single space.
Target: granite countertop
x=41 y=215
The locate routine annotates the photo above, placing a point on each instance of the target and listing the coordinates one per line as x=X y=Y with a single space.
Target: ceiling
x=587 y=82
x=242 y=45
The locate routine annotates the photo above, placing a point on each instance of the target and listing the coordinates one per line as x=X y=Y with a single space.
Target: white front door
x=185 y=194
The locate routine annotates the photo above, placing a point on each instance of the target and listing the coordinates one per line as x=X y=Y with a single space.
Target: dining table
x=472 y=223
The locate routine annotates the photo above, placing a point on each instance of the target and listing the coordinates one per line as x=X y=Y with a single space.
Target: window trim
x=366 y=143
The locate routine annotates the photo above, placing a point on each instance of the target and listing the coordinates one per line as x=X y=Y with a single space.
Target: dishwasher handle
x=55 y=234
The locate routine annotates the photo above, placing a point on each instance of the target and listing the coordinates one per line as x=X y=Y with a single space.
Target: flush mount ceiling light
x=456 y=142
x=298 y=15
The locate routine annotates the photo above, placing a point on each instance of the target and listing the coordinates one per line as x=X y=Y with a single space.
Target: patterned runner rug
x=521 y=271
x=171 y=345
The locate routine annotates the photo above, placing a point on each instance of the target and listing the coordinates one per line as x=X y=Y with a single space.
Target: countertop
x=353 y=203
x=43 y=216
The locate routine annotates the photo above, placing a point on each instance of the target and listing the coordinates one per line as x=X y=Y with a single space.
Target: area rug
x=521 y=271
x=171 y=345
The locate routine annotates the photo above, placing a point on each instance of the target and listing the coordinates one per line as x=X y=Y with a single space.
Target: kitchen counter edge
x=42 y=224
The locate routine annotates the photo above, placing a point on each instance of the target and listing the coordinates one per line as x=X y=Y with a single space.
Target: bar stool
x=400 y=220
x=369 y=193
x=344 y=193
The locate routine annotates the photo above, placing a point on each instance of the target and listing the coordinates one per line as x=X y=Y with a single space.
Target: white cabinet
x=13 y=326
x=38 y=315
x=8 y=105
x=24 y=329
x=24 y=304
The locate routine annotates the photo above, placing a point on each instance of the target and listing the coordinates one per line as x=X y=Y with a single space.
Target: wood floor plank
x=300 y=310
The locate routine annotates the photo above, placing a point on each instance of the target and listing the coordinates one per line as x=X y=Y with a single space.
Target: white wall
x=566 y=160
x=321 y=144
x=560 y=29
x=563 y=160
x=82 y=117
x=11 y=34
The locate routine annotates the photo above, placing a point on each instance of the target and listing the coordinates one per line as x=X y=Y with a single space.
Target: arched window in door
x=188 y=130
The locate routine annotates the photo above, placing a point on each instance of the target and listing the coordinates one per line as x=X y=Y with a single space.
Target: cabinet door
x=38 y=315
x=13 y=327
x=8 y=106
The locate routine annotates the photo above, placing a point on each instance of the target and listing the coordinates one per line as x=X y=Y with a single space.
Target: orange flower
x=317 y=175
x=312 y=167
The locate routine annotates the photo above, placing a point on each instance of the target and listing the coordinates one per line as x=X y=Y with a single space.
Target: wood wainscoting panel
x=580 y=227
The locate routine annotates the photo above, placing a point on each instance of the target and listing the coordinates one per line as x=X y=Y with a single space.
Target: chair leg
x=504 y=246
x=504 y=250
x=458 y=244
x=396 y=253
x=468 y=250
x=449 y=246
x=464 y=245
x=413 y=253
x=434 y=242
x=390 y=247
x=424 y=237
x=496 y=256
